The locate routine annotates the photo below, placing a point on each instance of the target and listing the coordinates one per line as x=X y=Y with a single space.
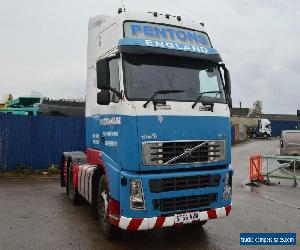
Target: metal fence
x=273 y=166
x=38 y=141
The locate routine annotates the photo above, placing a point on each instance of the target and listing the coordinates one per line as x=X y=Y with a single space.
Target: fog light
x=136 y=195
x=227 y=186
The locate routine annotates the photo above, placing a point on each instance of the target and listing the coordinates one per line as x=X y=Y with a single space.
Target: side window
x=114 y=79
x=209 y=82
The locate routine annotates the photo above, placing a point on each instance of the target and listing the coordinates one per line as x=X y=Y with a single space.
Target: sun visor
x=134 y=48
x=149 y=38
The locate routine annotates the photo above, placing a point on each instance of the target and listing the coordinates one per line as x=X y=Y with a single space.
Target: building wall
x=244 y=121
x=2 y=105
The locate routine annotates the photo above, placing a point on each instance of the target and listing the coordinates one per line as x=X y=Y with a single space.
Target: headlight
x=227 y=186
x=136 y=195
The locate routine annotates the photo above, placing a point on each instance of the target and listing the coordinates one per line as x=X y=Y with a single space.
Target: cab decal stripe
x=212 y=214
x=159 y=222
x=227 y=208
x=134 y=224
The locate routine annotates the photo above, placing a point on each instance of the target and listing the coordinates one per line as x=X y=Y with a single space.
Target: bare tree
x=256 y=111
x=10 y=97
x=36 y=93
x=6 y=98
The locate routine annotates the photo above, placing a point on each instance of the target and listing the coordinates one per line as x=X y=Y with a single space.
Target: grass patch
x=24 y=170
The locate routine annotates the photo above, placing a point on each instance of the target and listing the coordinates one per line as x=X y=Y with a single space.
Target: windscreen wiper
x=202 y=93
x=162 y=92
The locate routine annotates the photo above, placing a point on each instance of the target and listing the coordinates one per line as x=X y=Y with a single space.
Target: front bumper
x=151 y=197
x=137 y=224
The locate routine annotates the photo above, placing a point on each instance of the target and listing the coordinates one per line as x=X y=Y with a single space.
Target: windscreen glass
x=147 y=74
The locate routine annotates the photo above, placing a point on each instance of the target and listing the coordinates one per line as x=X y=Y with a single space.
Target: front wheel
x=265 y=136
x=107 y=228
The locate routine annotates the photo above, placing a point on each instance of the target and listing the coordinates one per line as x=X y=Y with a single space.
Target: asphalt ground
x=36 y=214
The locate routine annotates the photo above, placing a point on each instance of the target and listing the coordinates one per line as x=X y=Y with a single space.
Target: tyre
x=108 y=230
x=67 y=181
x=62 y=177
x=74 y=196
x=265 y=136
x=251 y=135
x=254 y=135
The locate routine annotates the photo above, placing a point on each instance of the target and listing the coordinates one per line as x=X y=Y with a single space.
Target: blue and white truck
x=261 y=129
x=158 y=149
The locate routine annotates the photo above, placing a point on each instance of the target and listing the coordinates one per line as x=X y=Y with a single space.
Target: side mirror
x=103 y=76
x=227 y=81
x=229 y=100
x=103 y=97
x=227 y=84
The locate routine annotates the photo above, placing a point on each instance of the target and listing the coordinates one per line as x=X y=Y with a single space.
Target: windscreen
x=147 y=74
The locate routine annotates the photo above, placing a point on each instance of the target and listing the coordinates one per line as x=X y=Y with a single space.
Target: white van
x=290 y=143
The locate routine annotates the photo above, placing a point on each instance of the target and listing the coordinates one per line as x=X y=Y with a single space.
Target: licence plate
x=187 y=217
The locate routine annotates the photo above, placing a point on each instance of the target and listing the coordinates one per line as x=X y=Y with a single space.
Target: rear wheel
x=67 y=183
x=74 y=196
x=254 y=135
x=107 y=228
x=62 y=177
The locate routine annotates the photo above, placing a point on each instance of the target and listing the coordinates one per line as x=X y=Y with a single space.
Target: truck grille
x=185 y=203
x=183 y=183
x=159 y=153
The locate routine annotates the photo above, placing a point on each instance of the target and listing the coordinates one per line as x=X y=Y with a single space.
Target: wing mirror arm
x=227 y=80
x=118 y=93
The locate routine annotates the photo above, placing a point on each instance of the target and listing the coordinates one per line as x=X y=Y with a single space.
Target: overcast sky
x=43 y=45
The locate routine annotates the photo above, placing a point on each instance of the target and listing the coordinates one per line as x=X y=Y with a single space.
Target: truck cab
x=262 y=129
x=157 y=125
